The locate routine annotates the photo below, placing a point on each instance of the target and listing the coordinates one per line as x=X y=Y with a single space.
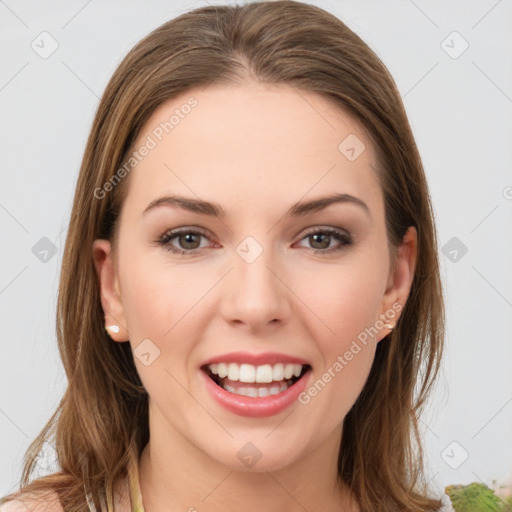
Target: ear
x=400 y=280
x=109 y=290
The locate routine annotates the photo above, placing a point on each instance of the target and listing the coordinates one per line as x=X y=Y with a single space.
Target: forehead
x=253 y=143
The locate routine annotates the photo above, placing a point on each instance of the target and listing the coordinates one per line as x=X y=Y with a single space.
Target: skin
x=273 y=147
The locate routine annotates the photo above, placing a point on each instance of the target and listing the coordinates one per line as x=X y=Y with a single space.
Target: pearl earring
x=389 y=326
x=113 y=328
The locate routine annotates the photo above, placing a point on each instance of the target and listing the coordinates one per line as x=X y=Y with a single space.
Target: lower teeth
x=258 y=392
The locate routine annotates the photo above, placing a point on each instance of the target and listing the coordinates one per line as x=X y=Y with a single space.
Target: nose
x=255 y=294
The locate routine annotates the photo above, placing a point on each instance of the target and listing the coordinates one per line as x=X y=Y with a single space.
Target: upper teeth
x=249 y=373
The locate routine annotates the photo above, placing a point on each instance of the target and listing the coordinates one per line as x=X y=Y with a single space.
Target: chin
x=257 y=456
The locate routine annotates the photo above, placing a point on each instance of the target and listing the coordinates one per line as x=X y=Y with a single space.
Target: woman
x=250 y=289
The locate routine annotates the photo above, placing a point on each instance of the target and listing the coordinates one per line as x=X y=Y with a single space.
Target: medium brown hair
x=103 y=414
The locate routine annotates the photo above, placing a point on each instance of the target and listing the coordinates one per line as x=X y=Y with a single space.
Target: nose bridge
x=256 y=295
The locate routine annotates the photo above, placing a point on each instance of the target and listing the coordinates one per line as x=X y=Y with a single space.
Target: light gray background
x=460 y=110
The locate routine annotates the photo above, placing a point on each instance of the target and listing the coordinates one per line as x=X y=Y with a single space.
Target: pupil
x=187 y=237
x=320 y=235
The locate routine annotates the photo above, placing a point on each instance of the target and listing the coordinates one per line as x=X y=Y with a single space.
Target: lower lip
x=255 y=407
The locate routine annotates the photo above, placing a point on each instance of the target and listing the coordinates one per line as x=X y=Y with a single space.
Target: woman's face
x=254 y=289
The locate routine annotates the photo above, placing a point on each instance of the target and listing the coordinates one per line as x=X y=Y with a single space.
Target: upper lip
x=255 y=359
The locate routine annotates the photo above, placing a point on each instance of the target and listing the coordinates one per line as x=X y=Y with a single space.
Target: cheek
x=165 y=305
x=346 y=305
x=342 y=302
x=334 y=391
x=336 y=385
x=159 y=307
x=352 y=367
x=158 y=296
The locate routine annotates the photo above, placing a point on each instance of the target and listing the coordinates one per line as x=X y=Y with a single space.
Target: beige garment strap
x=91 y=505
x=135 y=492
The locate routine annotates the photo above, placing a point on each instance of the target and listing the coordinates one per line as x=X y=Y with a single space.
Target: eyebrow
x=215 y=210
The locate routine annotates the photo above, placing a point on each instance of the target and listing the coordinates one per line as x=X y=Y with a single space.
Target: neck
x=175 y=475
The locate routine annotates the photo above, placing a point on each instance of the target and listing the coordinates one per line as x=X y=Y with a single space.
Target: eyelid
x=342 y=235
x=344 y=238
x=171 y=233
x=202 y=231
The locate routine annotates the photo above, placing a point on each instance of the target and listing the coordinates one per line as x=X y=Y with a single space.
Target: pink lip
x=255 y=407
x=255 y=359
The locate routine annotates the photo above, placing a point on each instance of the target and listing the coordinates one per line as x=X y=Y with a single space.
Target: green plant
x=475 y=497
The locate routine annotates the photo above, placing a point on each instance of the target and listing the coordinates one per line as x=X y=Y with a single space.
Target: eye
x=322 y=237
x=189 y=239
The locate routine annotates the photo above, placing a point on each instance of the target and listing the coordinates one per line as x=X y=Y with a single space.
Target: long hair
x=102 y=417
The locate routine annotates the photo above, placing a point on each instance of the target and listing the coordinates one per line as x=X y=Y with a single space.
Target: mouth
x=255 y=381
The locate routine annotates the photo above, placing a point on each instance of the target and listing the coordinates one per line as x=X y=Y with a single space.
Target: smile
x=268 y=379
x=255 y=385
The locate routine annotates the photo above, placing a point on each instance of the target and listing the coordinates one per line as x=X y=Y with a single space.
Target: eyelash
x=335 y=233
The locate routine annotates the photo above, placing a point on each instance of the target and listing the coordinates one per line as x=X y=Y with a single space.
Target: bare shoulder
x=33 y=502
